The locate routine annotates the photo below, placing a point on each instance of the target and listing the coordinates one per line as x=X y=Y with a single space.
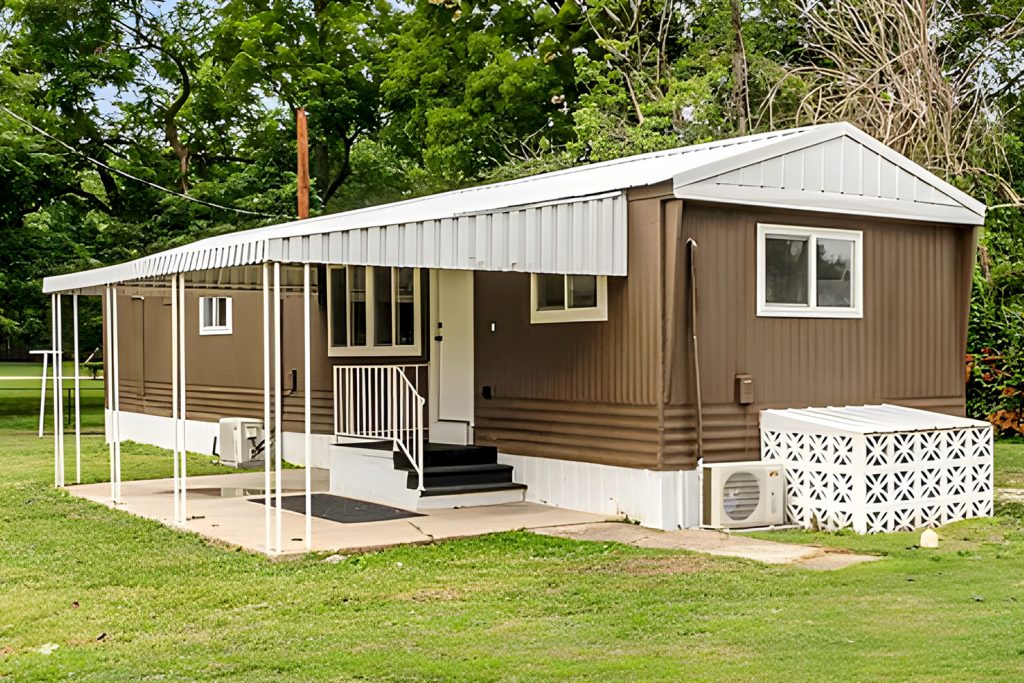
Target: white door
x=451 y=371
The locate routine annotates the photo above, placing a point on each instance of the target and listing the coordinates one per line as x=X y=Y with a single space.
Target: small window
x=568 y=298
x=214 y=315
x=809 y=272
x=373 y=311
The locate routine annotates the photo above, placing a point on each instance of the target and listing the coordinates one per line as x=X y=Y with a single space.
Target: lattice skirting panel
x=895 y=481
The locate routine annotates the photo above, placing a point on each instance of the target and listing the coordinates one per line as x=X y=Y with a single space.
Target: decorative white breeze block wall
x=879 y=468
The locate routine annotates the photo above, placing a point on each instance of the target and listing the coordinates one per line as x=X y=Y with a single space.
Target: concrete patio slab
x=219 y=509
x=711 y=543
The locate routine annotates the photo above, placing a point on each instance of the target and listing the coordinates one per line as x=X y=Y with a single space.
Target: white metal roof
x=570 y=221
x=871 y=419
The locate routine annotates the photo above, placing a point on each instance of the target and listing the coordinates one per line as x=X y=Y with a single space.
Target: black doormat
x=339 y=509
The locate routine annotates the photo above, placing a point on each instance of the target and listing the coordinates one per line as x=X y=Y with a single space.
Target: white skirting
x=199 y=435
x=660 y=500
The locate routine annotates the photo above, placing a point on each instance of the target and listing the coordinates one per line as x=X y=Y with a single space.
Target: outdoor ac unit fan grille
x=740 y=496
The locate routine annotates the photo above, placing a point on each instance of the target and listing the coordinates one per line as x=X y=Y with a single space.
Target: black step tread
x=441 y=446
x=374 y=445
x=456 y=469
x=461 y=475
x=446 y=455
x=470 y=488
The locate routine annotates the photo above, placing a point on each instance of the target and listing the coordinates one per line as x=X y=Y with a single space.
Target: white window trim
x=371 y=349
x=213 y=330
x=597 y=313
x=856 y=310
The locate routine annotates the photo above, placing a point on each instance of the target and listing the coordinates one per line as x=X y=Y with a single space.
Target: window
x=214 y=315
x=568 y=298
x=373 y=311
x=809 y=272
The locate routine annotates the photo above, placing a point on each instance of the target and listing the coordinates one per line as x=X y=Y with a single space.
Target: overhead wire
x=129 y=176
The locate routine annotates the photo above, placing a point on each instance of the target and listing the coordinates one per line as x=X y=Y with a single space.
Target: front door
x=451 y=371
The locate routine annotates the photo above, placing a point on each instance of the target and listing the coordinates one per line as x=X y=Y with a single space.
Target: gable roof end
x=836 y=168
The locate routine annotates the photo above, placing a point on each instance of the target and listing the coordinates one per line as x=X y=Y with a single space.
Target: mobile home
x=579 y=338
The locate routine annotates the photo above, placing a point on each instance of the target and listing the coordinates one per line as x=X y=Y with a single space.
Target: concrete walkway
x=711 y=543
x=219 y=508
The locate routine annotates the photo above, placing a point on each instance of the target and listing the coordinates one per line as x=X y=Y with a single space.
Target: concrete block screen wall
x=879 y=468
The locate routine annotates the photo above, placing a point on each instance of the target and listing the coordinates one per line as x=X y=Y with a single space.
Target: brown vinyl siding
x=581 y=391
x=224 y=373
x=907 y=349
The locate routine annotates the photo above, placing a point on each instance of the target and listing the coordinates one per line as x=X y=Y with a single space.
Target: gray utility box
x=240 y=438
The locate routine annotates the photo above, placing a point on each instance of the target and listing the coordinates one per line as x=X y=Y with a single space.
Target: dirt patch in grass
x=660 y=566
x=6 y=651
x=432 y=595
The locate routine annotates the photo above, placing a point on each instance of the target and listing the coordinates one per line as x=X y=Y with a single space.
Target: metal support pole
x=307 y=391
x=58 y=388
x=78 y=393
x=174 y=393
x=266 y=407
x=56 y=395
x=278 y=441
x=108 y=375
x=183 y=389
x=42 y=393
x=117 y=402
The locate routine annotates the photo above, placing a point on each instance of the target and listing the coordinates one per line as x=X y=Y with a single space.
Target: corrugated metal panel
x=838 y=169
x=542 y=239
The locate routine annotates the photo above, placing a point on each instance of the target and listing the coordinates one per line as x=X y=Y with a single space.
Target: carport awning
x=585 y=235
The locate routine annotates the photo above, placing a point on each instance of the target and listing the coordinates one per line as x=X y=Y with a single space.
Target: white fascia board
x=827 y=202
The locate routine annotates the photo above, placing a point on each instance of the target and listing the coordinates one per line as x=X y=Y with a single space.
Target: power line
x=129 y=176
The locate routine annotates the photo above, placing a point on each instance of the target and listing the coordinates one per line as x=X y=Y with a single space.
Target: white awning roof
x=871 y=419
x=570 y=221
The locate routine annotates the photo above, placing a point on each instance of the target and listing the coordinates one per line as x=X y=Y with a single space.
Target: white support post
x=183 y=393
x=108 y=375
x=78 y=391
x=278 y=441
x=42 y=393
x=266 y=407
x=174 y=392
x=56 y=395
x=117 y=402
x=306 y=390
x=58 y=388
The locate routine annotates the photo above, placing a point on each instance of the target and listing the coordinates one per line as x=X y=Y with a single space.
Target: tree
x=316 y=55
x=468 y=86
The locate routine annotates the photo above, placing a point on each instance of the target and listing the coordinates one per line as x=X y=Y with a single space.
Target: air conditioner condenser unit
x=241 y=442
x=740 y=495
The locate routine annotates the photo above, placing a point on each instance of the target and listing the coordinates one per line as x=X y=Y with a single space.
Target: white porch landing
x=236 y=521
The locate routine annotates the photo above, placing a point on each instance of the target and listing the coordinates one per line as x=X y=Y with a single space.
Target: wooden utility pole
x=740 y=96
x=303 y=156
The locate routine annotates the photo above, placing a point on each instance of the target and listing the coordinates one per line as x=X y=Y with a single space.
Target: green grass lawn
x=127 y=599
x=1009 y=457
x=19 y=398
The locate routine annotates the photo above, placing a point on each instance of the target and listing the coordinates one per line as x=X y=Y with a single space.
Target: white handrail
x=382 y=402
